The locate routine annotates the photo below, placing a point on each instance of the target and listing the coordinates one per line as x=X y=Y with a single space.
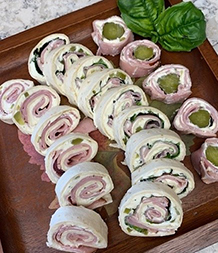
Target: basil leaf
x=181 y=27
x=140 y=15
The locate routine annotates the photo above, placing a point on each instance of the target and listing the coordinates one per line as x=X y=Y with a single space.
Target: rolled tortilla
x=113 y=45
x=167 y=171
x=59 y=61
x=151 y=144
x=40 y=52
x=150 y=210
x=169 y=83
x=205 y=160
x=205 y=122
x=77 y=229
x=58 y=121
x=79 y=71
x=95 y=85
x=113 y=102
x=31 y=105
x=135 y=119
x=86 y=184
x=139 y=58
x=9 y=92
x=68 y=151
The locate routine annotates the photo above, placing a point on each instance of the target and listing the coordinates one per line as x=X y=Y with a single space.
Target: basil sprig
x=180 y=27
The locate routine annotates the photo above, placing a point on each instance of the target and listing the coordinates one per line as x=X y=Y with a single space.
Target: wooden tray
x=24 y=198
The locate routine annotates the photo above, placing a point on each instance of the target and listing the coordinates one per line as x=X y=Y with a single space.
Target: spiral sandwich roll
x=95 y=85
x=86 y=184
x=77 y=229
x=150 y=210
x=31 y=105
x=135 y=119
x=40 y=52
x=9 y=93
x=151 y=144
x=68 y=151
x=167 y=171
x=58 y=121
x=113 y=102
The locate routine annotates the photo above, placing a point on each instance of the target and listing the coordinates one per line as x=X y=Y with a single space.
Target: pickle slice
x=200 y=118
x=112 y=31
x=118 y=74
x=143 y=52
x=18 y=117
x=76 y=141
x=169 y=83
x=212 y=155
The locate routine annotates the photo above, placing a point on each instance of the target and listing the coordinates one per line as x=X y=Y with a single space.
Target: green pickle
x=118 y=74
x=212 y=155
x=169 y=83
x=200 y=118
x=143 y=53
x=112 y=31
x=18 y=117
x=76 y=141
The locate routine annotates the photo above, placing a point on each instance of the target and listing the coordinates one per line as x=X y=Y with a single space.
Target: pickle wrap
x=40 y=52
x=151 y=144
x=58 y=121
x=86 y=184
x=67 y=151
x=135 y=119
x=9 y=92
x=150 y=210
x=77 y=229
x=167 y=171
x=31 y=105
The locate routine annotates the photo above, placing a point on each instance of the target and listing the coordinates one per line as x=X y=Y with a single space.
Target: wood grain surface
x=24 y=198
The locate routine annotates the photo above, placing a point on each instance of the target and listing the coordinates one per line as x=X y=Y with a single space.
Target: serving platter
x=25 y=198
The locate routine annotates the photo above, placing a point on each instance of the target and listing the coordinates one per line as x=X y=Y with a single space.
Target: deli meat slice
x=113 y=102
x=77 y=229
x=135 y=119
x=167 y=171
x=59 y=61
x=136 y=63
x=169 y=83
x=198 y=117
x=86 y=184
x=40 y=52
x=150 y=210
x=31 y=105
x=108 y=44
x=58 y=121
x=9 y=93
x=68 y=151
x=205 y=160
x=152 y=144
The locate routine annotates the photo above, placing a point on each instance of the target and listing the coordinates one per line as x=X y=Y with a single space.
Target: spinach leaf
x=140 y=15
x=181 y=27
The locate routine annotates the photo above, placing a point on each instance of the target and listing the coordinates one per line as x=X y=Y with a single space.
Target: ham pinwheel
x=79 y=71
x=167 y=171
x=111 y=35
x=139 y=58
x=205 y=160
x=31 y=105
x=198 y=117
x=59 y=61
x=58 y=121
x=136 y=118
x=151 y=144
x=40 y=52
x=169 y=83
x=95 y=85
x=86 y=184
x=150 y=209
x=68 y=151
x=77 y=229
x=9 y=93
x=113 y=102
